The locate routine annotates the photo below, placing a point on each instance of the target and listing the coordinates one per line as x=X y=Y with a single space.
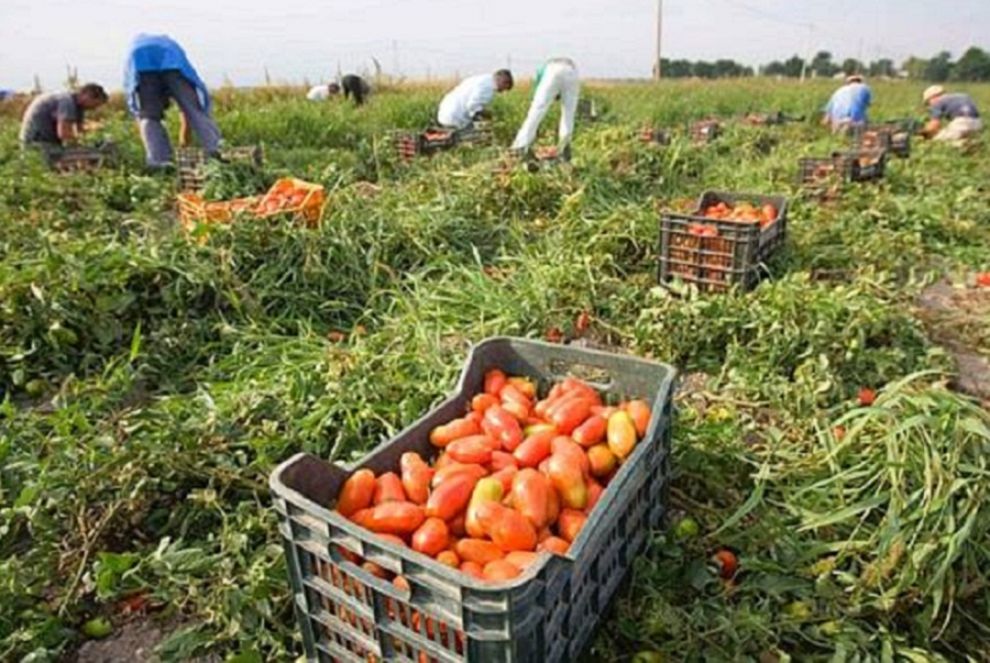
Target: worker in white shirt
x=467 y=102
x=556 y=79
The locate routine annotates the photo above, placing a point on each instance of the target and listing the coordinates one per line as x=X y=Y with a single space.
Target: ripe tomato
x=416 y=477
x=621 y=434
x=388 y=488
x=601 y=460
x=443 y=435
x=454 y=469
x=451 y=497
x=488 y=489
x=478 y=551
x=521 y=558
x=983 y=279
x=595 y=491
x=502 y=459
x=503 y=427
x=356 y=493
x=431 y=537
x=570 y=413
x=568 y=479
x=565 y=446
x=591 y=432
x=512 y=394
x=495 y=379
x=473 y=569
x=570 y=523
x=531 y=496
x=500 y=571
x=726 y=562
x=867 y=396
x=554 y=544
x=482 y=402
x=534 y=448
x=475 y=449
x=449 y=558
x=524 y=385
x=640 y=413
x=508 y=529
x=505 y=476
x=398 y=518
x=375 y=570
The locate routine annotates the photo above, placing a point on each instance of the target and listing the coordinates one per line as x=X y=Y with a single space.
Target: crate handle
x=595 y=376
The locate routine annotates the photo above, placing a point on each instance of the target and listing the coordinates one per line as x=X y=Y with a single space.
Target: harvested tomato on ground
x=514 y=476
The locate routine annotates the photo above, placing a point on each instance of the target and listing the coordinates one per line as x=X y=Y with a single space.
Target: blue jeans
x=155 y=89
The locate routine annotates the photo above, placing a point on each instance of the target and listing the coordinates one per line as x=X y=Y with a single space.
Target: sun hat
x=854 y=78
x=932 y=92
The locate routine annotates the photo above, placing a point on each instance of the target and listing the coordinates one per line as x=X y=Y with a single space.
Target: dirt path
x=957 y=318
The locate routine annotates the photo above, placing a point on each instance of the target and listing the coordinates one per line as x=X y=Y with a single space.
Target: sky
x=311 y=40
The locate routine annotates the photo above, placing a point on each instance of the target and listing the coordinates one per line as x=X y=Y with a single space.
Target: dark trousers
x=156 y=89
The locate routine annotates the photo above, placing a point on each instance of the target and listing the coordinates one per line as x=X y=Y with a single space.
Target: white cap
x=932 y=92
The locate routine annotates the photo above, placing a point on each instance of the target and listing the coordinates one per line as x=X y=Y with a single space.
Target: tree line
x=973 y=65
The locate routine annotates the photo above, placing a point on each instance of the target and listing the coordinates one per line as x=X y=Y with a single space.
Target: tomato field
x=150 y=381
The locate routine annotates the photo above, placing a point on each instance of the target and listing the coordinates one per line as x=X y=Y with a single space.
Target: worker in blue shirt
x=847 y=108
x=158 y=71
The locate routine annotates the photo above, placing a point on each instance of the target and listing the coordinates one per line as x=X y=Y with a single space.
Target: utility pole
x=656 y=65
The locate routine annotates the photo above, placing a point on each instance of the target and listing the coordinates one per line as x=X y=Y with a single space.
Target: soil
x=948 y=311
x=131 y=642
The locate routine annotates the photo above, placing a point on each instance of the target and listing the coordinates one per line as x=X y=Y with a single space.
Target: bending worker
x=556 y=79
x=158 y=71
x=55 y=119
x=958 y=109
x=848 y=106
x=352 y=85
x=468 y=101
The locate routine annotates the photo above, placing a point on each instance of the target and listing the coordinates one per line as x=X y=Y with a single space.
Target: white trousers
x=959 y=129
x=559 y=78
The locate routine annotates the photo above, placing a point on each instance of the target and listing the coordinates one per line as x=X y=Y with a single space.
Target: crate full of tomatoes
x=302 y=200
x=495 y=528
x=722 y=242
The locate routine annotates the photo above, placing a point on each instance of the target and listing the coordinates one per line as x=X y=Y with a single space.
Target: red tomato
x=474 y=449
x=443 y=435
x=570 y=523
x=431 y=538
x=867 y=396
x=531 y=496
x=534 y=448
x=356 y=493
x=591 y=432
x=726 y=562
x=500 y=571
x=451 y=497
x=416 y=476
x=388 y=488
x=396 y=518
x=494 y=381
x=482 y=402
x=503 y=427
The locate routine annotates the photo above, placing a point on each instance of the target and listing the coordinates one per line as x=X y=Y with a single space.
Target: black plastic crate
x=81 y=159
x=654 y=136
x=589 y=109
x=717 y=254
x=857 y=166
x=705 y=131
x=191 y=163
x=863 y=165
x=409 y=144
x=892 y=139
x=548 y=613
x=478 y=133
